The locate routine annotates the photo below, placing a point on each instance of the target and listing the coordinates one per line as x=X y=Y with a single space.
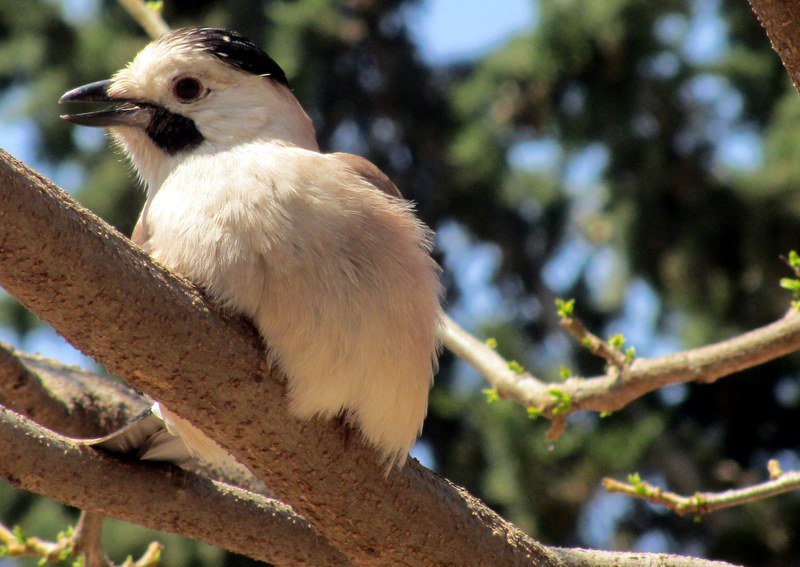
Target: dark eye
x=187 y=89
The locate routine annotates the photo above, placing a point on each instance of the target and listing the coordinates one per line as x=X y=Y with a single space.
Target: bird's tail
x=157 y=434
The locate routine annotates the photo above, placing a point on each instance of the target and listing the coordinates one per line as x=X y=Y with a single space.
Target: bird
x=319 y=250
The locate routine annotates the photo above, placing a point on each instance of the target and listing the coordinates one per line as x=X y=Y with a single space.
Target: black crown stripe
x=234 y=49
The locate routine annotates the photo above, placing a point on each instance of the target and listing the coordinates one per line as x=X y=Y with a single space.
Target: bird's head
x=195 y=89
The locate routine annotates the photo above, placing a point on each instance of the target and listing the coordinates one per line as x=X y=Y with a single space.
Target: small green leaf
x=515 y=366
x=616 y=341
x=634 y=479
x=20 y=535
x=604 y=414
x=630 y=354
x=66 y=552
x=564 y=401
x=491 y=342
x=791 y=284
x=156 y=6
x=565 y=308
x=794 y=259
x=533 y=413
x=491 y=395
x=564 y=372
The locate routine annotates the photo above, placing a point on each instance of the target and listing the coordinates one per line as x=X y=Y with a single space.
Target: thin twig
x=16 y=544
x=704 y=502
x=595 y=344
x=86 y=539
x=615 y=389
x=150 y=557
x=150 y=20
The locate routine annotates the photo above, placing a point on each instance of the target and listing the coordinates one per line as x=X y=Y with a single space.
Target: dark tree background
x=608 y=154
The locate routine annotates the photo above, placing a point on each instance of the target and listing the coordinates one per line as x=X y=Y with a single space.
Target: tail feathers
x=159 y=435
x=191 y=439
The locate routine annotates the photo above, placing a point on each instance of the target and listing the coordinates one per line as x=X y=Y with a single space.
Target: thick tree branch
x=158 y=497
x=64 y=398
x=165 y=498
x=620 y=386
x=781 y=20
x=277 y=512
x=114 y=303
x=593 y=558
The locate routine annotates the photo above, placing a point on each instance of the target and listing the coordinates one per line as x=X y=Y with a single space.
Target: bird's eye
x=187 y=89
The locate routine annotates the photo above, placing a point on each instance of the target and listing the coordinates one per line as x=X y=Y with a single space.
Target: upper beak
x=129 y=113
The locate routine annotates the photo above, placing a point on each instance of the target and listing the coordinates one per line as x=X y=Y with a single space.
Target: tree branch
x=158 y=497
x=64 y=398
x=593 y=558
x=280 y=512
x=150 y=20
x=87 y=539
x=705 y=502
x=781 y=20
x=620 y=386
x=166 y=498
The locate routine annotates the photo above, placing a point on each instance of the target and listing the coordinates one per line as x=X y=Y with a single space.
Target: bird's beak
x=127 y=113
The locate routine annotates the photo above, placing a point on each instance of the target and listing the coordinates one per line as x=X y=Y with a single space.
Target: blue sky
x=451 y=30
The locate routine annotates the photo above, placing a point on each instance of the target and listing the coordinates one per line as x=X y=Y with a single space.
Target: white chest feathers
x=336 y=275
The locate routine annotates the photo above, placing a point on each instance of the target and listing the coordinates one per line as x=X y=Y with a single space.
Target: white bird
x=319 y=250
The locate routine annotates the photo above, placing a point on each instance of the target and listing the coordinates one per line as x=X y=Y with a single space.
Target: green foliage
x=564 y=401
x=565 y=308
x=616 y=341
x=491 y=395
x=156 y=6
x=793 y=284
x=19 y=535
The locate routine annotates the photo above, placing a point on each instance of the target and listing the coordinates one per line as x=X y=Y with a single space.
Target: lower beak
x=128 y=113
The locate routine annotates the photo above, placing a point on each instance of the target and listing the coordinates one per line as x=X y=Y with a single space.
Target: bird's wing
x=368 y=171
x=145 y=437
x=139 y=235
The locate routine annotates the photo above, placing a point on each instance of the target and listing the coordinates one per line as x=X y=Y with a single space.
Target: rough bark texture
x=64 y=398
x=781 y=21
x=593 y=558
x=284 y=537
x=158 y=497
x=115 y=304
